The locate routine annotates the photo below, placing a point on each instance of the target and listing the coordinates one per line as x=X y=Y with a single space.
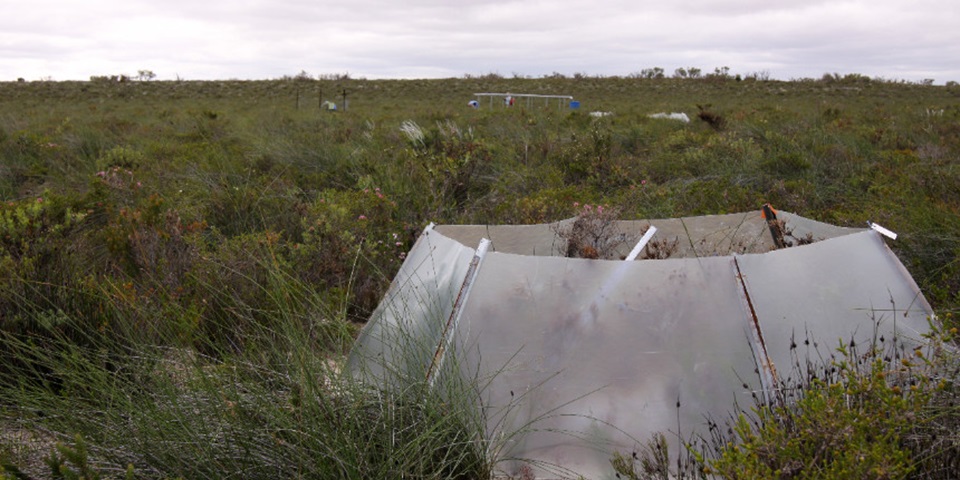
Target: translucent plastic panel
x=836 y=290
x=576 y=359
x=403 y=333
x=521 y=239
x=709 y=235
x=703 y=236
x=575 y=350
x=805 y=228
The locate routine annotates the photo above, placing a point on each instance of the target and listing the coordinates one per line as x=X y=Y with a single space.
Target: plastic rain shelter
x=581 y=358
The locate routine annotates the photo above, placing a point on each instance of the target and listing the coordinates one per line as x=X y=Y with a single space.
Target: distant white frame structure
x=563 y=100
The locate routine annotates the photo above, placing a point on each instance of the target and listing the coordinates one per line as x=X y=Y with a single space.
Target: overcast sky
x=264 y=39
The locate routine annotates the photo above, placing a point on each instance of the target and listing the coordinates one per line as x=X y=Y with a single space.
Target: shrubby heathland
x=184 y=264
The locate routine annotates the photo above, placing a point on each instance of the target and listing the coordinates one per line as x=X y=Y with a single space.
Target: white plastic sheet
x=581 y=358
x=402 y=335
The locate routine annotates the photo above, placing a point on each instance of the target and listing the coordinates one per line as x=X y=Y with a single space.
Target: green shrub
x=351 y=240
x=875 y=414
x=451 y=165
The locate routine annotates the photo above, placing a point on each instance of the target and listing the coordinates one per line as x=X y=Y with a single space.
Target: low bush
x=872 y=411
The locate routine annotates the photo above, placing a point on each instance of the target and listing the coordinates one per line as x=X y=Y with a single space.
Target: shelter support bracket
x=642 y=243
x=882 y=231
x=454 y=319
x=767 y=370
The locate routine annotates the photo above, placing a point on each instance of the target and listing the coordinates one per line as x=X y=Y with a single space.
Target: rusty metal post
x=775 y=231
x=451 y=326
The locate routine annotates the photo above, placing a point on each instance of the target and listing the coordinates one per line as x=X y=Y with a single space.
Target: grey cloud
x=377 y=38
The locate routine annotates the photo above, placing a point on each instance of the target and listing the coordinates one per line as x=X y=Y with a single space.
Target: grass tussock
x=280 y=407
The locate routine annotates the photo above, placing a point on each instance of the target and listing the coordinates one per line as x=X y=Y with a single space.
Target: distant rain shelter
x=529 y=99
